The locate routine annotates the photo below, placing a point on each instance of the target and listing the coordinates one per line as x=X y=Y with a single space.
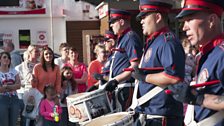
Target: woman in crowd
x=9 y=83
x=25 y=70
x=95 y=67
x=79 y=69
x=46 y=72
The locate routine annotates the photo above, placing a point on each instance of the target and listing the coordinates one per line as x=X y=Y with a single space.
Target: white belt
x=209 y=121
x=125 y=85
x=152 y=116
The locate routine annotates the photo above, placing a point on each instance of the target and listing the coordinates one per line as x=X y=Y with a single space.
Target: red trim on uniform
x=209 y=46
x=133 y=60
x=159 y=32
x=120 y=15
x=109 y=36
x=105 y=72
x=173 y=67
x=173 y=77
x=164 y=121
x=118 y=49
x=153 y=8
x=124 y=32
x=200 y=4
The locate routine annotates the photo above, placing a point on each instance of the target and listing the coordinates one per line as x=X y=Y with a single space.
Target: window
x=24 y=39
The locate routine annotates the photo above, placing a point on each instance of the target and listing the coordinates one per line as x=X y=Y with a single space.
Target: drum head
x=116 y=119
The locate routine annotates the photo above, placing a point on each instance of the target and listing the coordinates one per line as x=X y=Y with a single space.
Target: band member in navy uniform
x=109 y=41
x=202 y=24
x=127 y=53
x=162 y=49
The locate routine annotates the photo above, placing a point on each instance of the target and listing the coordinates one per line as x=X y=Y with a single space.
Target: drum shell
x=84 y=107
x=115 y=119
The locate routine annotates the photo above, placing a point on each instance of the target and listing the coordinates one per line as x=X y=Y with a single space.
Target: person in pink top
x=79 y=69
x=46 y=72
x=50 y=108
x=95 y=67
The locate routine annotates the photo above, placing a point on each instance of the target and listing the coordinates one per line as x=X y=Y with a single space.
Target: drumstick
x=104 y=72
x=199 y=85
x=147 y=69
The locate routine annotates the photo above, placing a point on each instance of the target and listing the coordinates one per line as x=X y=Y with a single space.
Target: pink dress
x=78 y=72
x=47 y=107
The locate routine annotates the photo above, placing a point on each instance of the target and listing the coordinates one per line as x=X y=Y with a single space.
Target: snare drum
x=116 y=119
x=86 y=106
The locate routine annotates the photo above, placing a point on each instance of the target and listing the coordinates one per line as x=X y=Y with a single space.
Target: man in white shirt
x=63 y=48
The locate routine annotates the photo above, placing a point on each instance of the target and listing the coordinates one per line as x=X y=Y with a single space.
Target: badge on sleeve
x=148 y=55
x=203 y=76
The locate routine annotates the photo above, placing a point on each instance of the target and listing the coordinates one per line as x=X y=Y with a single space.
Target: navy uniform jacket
x=130 y=49
x=106 y=67
x=162 y=50
x=211 y=67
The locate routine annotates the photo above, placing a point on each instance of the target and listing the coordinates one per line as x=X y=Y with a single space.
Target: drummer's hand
x=92 y=88
x=134 y=114
x=186 y=94
x=138 y=74
x=111 y=85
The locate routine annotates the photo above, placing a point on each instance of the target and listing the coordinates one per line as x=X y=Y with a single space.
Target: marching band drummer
x=127 y=54
x=109 y=42
x=162 y=49
x=202 y=24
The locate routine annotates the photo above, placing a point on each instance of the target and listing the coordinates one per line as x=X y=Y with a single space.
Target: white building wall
x=53 y=22
x=74 y=11
x=59 y=33
x=12 y=25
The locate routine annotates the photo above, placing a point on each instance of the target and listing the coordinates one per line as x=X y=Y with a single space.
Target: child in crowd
x=68 y=86
x=50 y=108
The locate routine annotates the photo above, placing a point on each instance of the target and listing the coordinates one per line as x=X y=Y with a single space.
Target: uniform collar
x=212 y=44
x=155 y=34
x=124 y=32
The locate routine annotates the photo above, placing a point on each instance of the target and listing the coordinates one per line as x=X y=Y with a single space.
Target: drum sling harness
x=209 y=121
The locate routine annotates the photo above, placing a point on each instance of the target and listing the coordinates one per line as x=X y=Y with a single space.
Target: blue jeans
x=9 y=110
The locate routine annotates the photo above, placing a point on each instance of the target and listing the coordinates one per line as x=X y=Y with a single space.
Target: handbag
x=31 y=99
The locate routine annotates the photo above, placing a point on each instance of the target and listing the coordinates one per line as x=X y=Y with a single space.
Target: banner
x=25 y=7
x=42 y=38
x=6 y=37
